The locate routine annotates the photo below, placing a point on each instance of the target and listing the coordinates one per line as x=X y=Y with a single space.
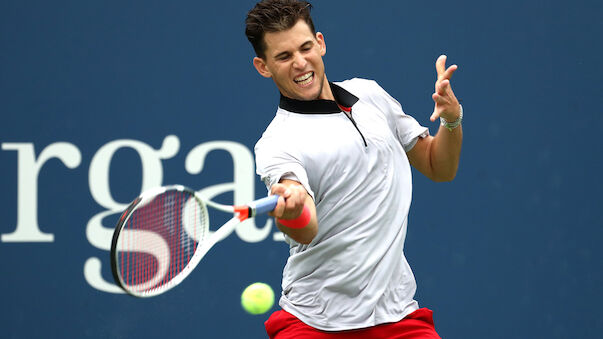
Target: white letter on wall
x=98 y=180
x=28 y=170
x=242 y=185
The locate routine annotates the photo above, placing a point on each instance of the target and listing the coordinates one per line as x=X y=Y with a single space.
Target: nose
x=299 y=61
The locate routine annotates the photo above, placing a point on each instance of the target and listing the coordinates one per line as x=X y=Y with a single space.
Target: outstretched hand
x=446 y=104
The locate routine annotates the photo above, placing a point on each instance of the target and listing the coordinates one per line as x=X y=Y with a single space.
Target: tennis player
x=340 y=154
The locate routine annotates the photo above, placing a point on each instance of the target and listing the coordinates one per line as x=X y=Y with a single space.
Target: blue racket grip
x=264 y=205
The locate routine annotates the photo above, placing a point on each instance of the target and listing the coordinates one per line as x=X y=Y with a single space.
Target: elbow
x=303 y=235
x=445 y=176
x=444 y=179
x=306 y=240
x=307 y=235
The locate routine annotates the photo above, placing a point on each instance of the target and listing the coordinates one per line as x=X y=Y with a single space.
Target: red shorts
x=419 y=324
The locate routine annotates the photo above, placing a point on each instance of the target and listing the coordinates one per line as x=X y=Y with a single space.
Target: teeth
x=304 y=79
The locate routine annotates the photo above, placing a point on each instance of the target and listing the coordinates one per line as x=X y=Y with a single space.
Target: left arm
x=438 y=157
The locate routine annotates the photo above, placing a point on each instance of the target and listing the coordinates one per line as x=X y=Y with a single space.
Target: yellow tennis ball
x=257 y=298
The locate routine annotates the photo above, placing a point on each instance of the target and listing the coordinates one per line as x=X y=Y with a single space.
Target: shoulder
x=361 y=87
x=272 y=131
x=278 y=135
x=369 y=91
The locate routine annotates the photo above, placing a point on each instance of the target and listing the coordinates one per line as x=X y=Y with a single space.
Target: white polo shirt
x=354 y=273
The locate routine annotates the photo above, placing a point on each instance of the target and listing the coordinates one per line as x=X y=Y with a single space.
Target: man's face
x=294 y=61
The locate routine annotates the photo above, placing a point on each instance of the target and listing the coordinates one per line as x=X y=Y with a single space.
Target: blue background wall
x=510 y=249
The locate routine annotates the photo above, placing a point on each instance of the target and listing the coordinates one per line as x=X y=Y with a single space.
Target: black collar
x=344 y=100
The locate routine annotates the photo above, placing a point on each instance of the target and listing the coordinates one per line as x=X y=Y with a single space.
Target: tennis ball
x=257 y=298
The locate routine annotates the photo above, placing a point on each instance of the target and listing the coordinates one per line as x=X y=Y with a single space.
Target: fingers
x=444 y=96
x=441 y=101
x=291 y=201
x=446 y=106
x=281 y=190
x=442 y=87
x=278 y=211
x=442 y=71
x=442 y=84
x=440 y=65
x=434 y=115
x=448 y=73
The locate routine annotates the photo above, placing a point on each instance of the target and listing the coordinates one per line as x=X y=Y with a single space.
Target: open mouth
x=304 y=79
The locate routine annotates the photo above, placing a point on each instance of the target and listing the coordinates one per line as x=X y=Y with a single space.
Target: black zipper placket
x=349 y=115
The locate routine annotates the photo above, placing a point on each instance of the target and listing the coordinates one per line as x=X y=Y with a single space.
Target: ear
x=321 y=42
x=260 y=66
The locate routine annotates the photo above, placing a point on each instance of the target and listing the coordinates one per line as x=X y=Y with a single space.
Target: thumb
x=434 y=115
x=436 y=111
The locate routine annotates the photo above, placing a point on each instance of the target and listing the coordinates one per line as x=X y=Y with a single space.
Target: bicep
x=420 y=156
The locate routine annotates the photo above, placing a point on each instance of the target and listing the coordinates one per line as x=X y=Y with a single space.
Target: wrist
x=300 y=222
x=450 y=125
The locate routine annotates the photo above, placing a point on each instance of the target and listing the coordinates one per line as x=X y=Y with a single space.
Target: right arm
x=293 y=197
x=438 y=157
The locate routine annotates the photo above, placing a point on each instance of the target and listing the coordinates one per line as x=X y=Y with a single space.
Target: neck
x=326 y=93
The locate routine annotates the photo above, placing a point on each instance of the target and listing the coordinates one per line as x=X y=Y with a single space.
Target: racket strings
x=159 y=240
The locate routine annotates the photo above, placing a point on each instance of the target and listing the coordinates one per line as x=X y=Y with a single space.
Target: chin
x=303 y=95
x=314 y=94
x=311 y=97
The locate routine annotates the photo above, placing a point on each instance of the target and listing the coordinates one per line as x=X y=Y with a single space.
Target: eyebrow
x=285 y=53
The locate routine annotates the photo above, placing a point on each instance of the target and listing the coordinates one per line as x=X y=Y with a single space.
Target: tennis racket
x=164 y=233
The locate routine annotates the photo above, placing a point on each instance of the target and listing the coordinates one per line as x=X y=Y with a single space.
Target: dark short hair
x=269 y=16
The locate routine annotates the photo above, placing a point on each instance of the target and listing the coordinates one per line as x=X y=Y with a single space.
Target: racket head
x=156 y=240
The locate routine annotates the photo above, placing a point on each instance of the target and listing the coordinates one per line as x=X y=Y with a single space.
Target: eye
x=306 y=47
x=282 y=57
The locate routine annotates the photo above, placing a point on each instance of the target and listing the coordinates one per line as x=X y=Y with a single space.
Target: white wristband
x=454 y=124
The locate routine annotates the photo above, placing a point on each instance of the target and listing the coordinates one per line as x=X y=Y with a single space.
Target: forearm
x=305 y=234
x=438 y=157
x=294 y=198
x=445 y=152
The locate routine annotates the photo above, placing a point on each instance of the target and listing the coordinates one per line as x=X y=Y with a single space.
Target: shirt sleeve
x=275 y=160
x=405 y=127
